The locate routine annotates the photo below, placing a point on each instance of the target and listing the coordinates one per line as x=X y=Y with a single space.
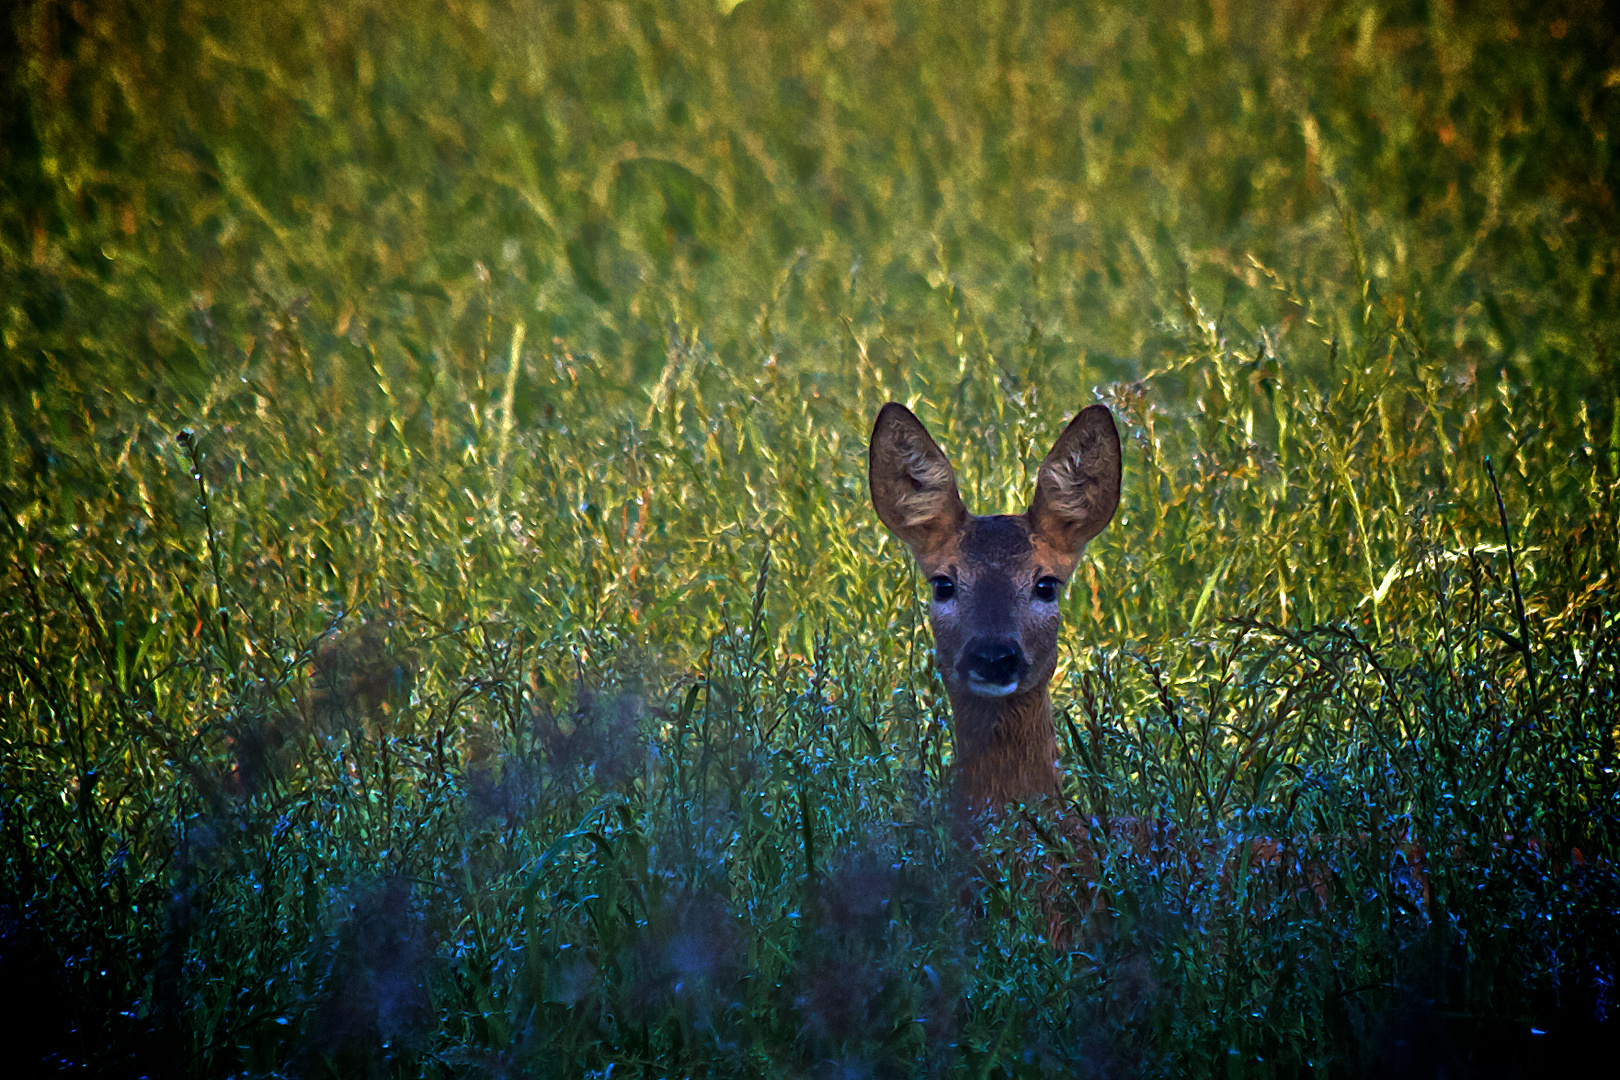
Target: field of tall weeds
x=443 y=626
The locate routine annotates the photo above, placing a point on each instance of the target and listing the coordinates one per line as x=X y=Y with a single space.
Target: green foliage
x=443 y=630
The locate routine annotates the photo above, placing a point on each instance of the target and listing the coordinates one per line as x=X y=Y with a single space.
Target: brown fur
x=1006 y=750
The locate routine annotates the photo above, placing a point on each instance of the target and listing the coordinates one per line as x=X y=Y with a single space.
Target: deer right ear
x=1077 y=489
x=913 y=485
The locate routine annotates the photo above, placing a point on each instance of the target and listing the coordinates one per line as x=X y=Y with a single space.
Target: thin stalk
x=1523 y=643
x=1513 y=575
x=508 y=397
x=188 y=442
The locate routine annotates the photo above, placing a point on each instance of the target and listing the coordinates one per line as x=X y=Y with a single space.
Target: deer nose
x=994 y=662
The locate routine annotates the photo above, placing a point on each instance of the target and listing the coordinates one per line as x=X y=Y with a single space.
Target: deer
x=997 y=583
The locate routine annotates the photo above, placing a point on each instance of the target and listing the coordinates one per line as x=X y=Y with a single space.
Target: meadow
x=444 y=630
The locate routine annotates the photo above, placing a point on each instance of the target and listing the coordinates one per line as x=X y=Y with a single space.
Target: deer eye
x=944 y=588
x=1046 y=589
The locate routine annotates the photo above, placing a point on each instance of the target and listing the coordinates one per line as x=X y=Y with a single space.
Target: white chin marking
x=979 y=688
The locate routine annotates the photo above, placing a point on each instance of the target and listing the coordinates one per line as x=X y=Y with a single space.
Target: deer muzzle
x=991 y=666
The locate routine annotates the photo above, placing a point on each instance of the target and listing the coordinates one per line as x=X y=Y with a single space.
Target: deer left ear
x=913 y=485
x=1077 y=490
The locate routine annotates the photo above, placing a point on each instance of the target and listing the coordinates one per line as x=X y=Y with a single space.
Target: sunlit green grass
x=444 y=628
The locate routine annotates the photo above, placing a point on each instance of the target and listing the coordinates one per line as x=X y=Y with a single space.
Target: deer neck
x=1006 y=749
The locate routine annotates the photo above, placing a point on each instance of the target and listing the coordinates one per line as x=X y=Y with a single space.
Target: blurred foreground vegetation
x=443 y=630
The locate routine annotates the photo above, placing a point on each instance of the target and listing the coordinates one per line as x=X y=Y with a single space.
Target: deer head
x=996 y=582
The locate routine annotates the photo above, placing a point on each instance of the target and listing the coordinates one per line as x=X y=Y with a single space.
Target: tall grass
x=444 y=628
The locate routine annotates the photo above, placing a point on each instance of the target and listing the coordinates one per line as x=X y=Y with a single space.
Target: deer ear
x=913 y=485
x=1077 y=489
